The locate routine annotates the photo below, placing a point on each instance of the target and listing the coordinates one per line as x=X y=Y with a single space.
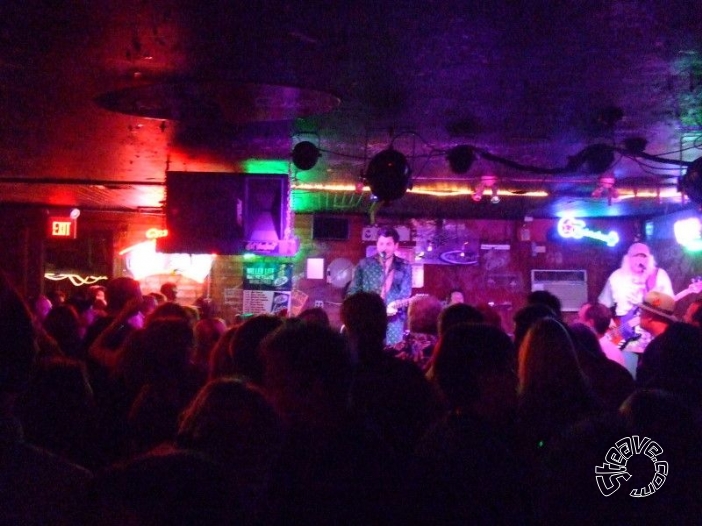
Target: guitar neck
x=680 y=295
x=401 y=303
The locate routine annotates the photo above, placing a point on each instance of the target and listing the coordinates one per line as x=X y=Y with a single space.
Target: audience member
x=598 y=317
x=63 y=325
x=160 y=298
x=87 y=315
x=37 y=487
x=678 y=367
x=96 y=296
x=231 y=422
x=468 y=471
x=47 y=347
x=490 y=314
x=207 y=331
x=675 y=426
x=610 y=381
x=315 y=315
x=169 y=309
x=455 y=296
x=41 y=306
x=456 y=314
x=56 y=297
x=107 y=333
x=57 y=411
x=548 y=298
x=693 y=314
x=656 y=315
x=553 y=391
x=206 y=307
x=332 y=469
x=168 y=380
x=220 y=361
x=422 y=323
x=148 y=305
x=244 y=353
x=170 y=291
x=393 y=395
x=565 y=490
x=525 y=317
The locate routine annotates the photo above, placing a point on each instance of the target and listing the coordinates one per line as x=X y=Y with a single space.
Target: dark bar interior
x=361 y=262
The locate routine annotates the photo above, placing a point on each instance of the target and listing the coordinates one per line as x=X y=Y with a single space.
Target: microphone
x=383 y=254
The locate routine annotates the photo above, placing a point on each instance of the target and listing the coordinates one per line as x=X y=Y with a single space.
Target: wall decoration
x=442 y=242
x=267 y=287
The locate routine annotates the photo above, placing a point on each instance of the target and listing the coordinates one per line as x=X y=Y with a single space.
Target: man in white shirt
x=638 y=274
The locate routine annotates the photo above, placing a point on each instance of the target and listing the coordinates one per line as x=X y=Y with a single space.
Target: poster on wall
x=267 y=287
x=445 y=242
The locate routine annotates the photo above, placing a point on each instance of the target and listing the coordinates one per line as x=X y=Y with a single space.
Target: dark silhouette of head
x=119 y=291
x=473 y=364
x=423 y=314
x=315 y=315
x=458 y=313
x=170 y=290
x=244 y=352
x=545 y=297
x=307 y=373
x=365 y=322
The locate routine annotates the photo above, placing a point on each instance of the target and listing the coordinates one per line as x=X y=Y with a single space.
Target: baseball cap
x=639 y=249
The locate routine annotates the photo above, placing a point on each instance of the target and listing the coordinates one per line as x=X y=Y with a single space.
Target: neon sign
x=570 y=227
x=142 y=260
x=76 y=279
x=688 y=233
x=154 y=233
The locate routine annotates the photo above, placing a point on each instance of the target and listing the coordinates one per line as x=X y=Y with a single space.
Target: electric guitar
x=394 y=306
x=624 y=329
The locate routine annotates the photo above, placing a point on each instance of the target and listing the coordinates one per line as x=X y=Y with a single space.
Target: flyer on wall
x=267 y=287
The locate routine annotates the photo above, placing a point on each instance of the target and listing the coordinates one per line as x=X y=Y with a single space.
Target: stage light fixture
x=460 y=158
x=691 y=182
x=305 y=155
x=478 y=193
x=594 y=159
x=388 y=175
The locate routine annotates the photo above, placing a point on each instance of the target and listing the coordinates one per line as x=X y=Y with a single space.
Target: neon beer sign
x=573 y=228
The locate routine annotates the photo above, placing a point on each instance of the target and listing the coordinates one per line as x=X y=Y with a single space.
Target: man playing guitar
x=625 y=288
x=388 y=275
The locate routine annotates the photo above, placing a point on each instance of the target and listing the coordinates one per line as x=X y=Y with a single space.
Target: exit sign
x=62 y=227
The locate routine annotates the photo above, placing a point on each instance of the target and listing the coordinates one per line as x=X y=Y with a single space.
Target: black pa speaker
x=219 y=213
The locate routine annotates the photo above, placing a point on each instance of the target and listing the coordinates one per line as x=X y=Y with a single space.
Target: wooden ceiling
x=99 y=99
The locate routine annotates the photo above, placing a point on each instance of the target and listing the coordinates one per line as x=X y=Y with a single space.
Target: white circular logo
x=609 y=475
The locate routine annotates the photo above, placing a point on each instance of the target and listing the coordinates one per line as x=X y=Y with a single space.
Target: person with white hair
x=625 y=288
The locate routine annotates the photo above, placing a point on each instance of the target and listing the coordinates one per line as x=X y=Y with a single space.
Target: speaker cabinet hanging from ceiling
x=220 y=213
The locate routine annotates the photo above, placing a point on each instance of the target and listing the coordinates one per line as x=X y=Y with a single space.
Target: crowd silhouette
x=119 y=410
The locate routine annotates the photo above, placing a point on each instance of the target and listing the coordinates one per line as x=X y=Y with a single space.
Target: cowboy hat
x=660 y=304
